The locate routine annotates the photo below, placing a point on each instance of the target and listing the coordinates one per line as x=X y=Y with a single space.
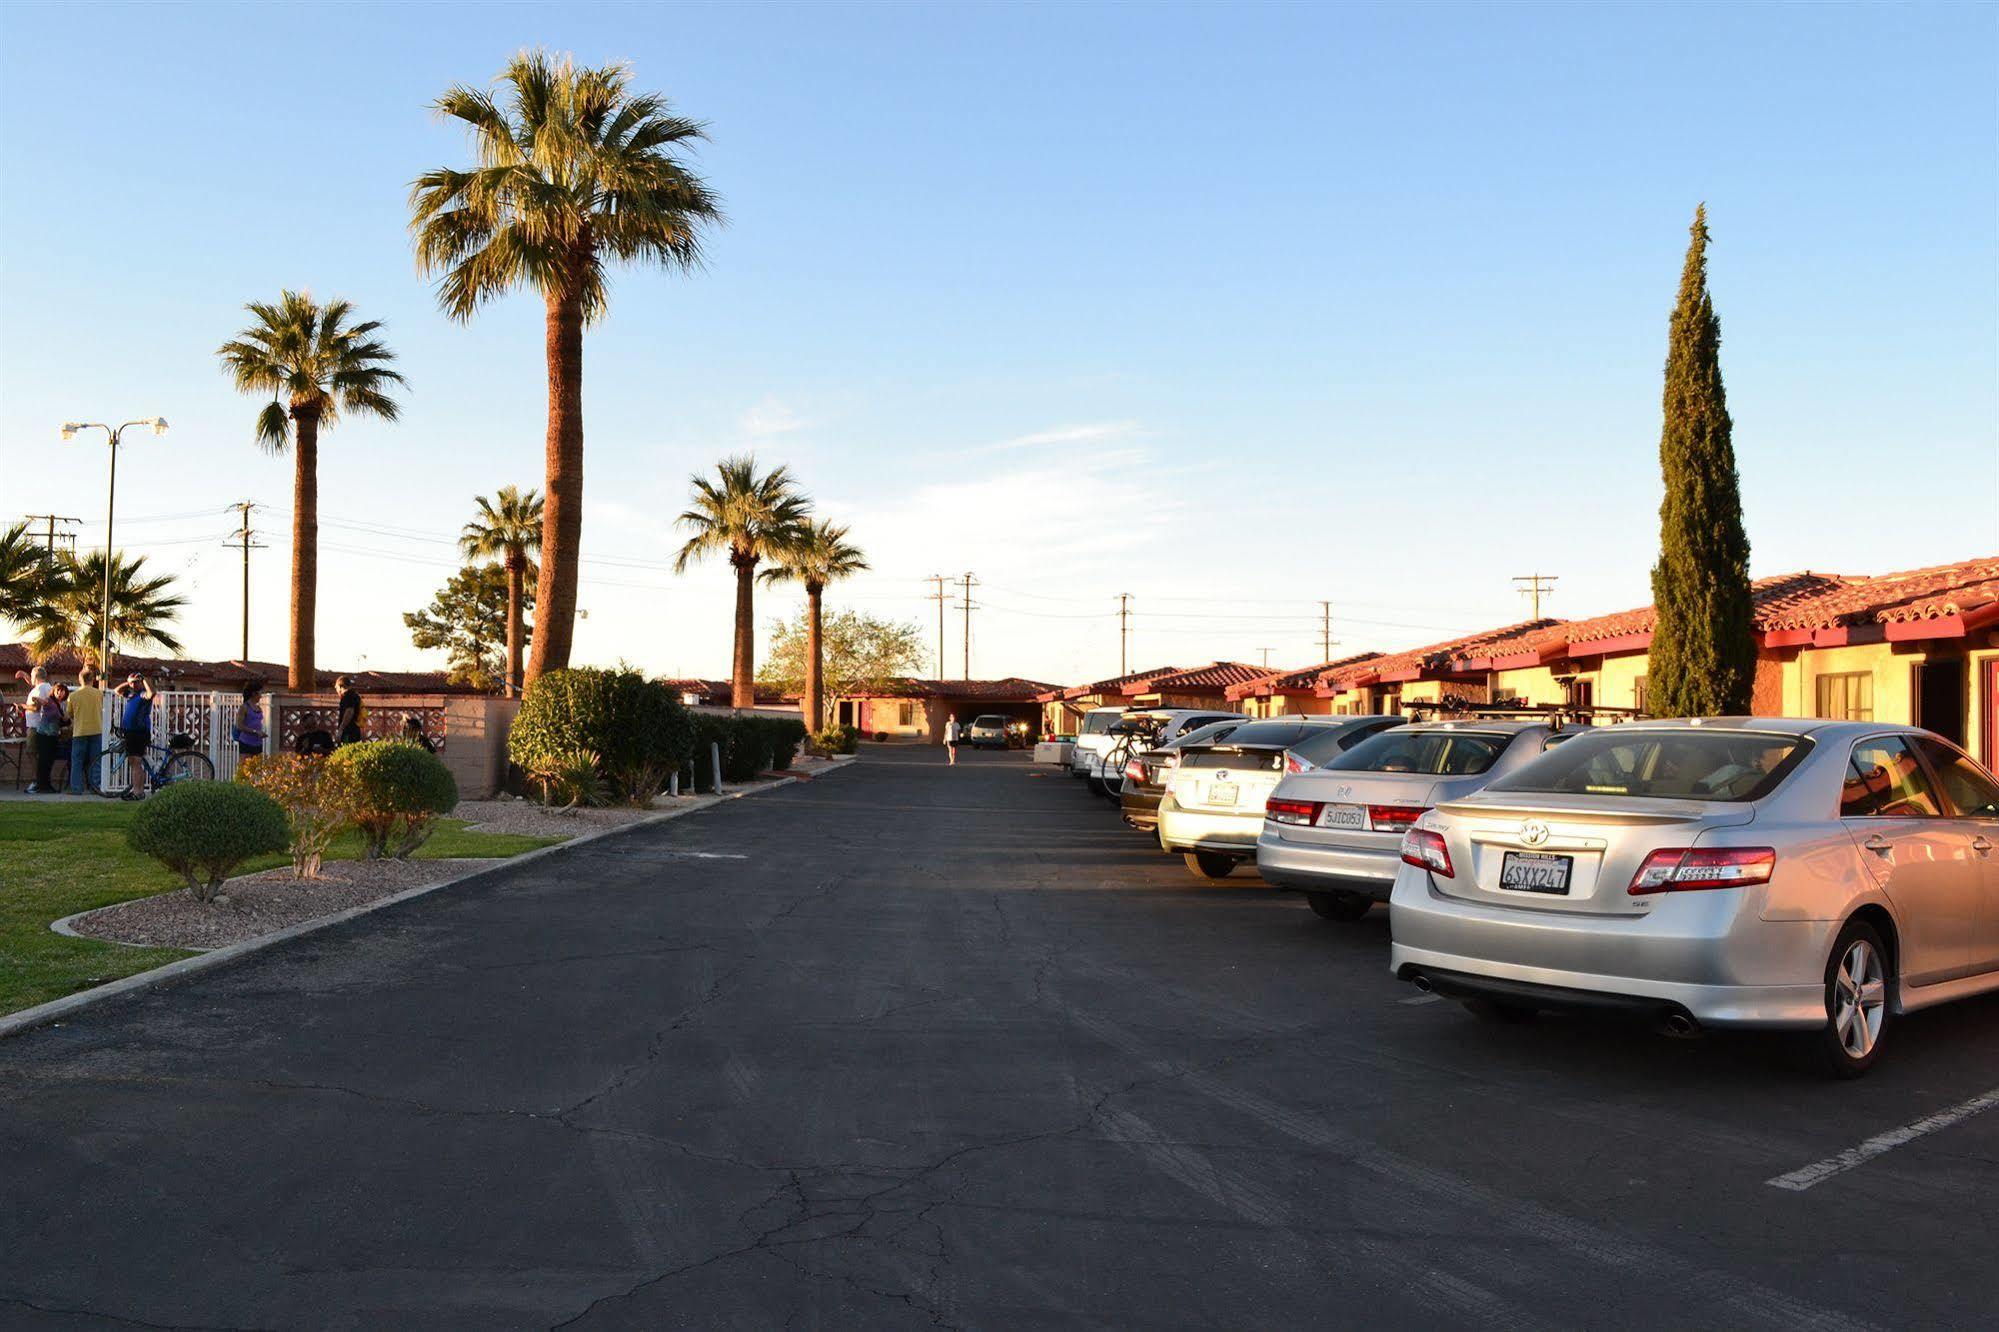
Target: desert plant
x=568 y=778
x=317 y=803
x=636 y=728
x=833 y=740
x=203 y=830
x=399 y=789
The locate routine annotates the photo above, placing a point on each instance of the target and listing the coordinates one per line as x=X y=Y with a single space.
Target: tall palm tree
x=72 y=615
x=751 y=518
x=28 y=574
x=821 y=555
x=315 y=365
x=575 y=172
x=508 y=529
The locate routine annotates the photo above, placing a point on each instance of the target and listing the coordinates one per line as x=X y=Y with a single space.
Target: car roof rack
x=1556 y=714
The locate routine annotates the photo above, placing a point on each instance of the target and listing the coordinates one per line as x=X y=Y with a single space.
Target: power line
x=1536 y=584
x=53 y=538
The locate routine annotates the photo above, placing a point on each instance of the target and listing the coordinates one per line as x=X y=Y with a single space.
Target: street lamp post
x=69 y=430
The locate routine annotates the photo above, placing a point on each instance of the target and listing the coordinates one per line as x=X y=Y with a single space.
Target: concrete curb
x=42 y=1014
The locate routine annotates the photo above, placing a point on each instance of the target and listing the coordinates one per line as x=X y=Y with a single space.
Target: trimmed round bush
x=636 y=727
x=203 y=830
x=397 y=788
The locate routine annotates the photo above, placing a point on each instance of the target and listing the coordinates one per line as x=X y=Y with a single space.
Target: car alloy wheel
x=1856 y=1001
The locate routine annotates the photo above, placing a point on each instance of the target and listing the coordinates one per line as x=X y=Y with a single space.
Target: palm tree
x=508 y=531
x=315 y=365
x=575 y=172
x=752 y=518
x=820 y=556
x=28 y=575
x=72 y=616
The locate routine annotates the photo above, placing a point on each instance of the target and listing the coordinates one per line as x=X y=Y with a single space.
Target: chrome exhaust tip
x=1680 y=1025
x=1423 y=983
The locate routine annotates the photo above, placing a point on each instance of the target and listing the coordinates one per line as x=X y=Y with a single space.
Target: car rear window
x=1208 y=735
x=1663 y=765
x=1279 y=733
x=1326 y=743
x=1252 y=760
x=1432 y=753
x=1099 y=723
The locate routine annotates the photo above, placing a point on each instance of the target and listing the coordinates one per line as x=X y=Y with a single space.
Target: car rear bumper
x=1721 y=967
x=1198 y=830
x=1140 y=808
x=1323 y=869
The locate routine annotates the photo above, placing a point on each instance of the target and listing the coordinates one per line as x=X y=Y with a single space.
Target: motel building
x=916 y=710
x=1062 y=710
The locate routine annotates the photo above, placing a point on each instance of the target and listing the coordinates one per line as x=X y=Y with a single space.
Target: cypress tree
x=1703 y=660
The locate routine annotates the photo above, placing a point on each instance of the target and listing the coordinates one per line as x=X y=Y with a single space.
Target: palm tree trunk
x=305 y=547
x=743 y=690
x=815 y=688
x=562 y=510
x=513 y=680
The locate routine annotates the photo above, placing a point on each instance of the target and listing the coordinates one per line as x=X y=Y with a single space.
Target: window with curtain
x=1848 y=696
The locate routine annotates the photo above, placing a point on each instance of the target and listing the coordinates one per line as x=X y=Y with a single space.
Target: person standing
x=136 y=723
x=39 y=692
x=86 y=729
x=250 y=723
x=45 y=723
x=951 y=741
x=347 y=731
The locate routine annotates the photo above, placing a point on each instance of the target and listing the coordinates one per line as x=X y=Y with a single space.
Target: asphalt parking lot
x=909 y=1046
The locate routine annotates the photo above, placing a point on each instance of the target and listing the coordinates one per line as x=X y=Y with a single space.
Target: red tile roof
x=1117 y=684
x=1284 y=682
x=1215 y=675
x=1012 y=689
x=186 y=673
x=1435 y=657
x=1968 y=587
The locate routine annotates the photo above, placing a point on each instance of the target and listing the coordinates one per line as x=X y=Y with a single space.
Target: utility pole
x=242 y=539
x=49 y=541
x=1266 y=657
x=970 y=582
x=938 y=597
x=1123 y=632
x=1326 y=642
x=1534 y=585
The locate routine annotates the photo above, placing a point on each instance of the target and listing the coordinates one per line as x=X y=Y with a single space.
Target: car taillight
x=1679 y=869
x=1426 y=850
x=1394 y=818
x=1292 y=763
x=1135 y=770
x=1300 y=812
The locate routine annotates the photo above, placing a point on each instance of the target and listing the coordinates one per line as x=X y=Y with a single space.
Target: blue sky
x=1230 y=308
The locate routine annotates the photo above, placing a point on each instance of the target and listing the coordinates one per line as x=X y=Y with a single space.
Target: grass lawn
x=61 y=858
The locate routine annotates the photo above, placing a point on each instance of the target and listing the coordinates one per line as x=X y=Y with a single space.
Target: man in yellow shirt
x=86 y=728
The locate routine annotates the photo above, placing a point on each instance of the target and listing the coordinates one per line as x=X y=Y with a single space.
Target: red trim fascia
x=1399 y=677
x=1786 y=638
x=1943 y=626
x=1604 y=647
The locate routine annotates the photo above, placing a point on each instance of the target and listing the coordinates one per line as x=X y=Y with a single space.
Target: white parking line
x=1421 y=999
x=1820 y=1171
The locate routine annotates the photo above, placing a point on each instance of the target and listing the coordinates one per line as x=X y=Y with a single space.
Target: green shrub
x=709 y=729
x=399 y=788
x=745 y=748
x=317 y=806
x=203 y=830
x=569 y=777
x=833 y=740
x=636 y=727
x=784 y=735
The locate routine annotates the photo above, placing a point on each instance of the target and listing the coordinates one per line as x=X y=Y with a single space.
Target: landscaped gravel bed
x=532 y=820
x=257 y=904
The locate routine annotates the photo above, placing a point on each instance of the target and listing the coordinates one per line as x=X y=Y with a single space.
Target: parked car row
x=1796 y=874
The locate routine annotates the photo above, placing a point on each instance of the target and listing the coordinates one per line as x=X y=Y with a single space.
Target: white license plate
x=1344 y=816
x=1535 y=872
x=1222 y=793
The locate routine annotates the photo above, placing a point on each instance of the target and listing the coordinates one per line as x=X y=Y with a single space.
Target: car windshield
x=1663 y=765
x=1100 y=723
x=1431 y=753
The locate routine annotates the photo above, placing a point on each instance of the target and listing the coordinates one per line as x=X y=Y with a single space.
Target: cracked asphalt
x=944 y=1048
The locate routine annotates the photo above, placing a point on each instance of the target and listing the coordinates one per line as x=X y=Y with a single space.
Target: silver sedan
x=1746 y=872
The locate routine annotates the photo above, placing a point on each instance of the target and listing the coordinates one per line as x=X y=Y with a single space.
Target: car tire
x=1498 y=1010
x=1857 y=976
x=1210 y=865
x=1338 y=906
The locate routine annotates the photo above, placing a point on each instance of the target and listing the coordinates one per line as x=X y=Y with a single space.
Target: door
x=1920 y=855
x=1974 y=798
x=1940 y=697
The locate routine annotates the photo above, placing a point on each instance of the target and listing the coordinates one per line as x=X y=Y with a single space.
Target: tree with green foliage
x=316 y=366
x=751 y=517
x=29 y=576
x=70 y=612
x=1703 y=656
x=468 y=620
x=861 y=652
x=821 y=555
x=574 y=172
x=508 y=529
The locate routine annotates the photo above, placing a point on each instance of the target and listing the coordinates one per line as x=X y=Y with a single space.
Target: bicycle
x=175 y=761
x=1132 y=738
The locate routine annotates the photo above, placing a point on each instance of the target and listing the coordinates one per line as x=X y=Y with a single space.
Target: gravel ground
x=260 y=903
x=532 y=820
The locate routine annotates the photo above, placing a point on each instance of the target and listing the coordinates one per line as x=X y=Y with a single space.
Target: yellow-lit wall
x=1893 y=672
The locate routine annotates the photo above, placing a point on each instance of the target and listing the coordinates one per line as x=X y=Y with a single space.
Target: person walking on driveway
x=135 y=721
x=951 y=741
x=86 y=729
x=347 y=731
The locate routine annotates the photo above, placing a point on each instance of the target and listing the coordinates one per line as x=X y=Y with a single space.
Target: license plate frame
x=1350 y=818
x=1222 y=793
x=1517 y=873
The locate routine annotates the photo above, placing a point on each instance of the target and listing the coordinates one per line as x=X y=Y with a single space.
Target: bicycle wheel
x=109 y=776
x=186 y=766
